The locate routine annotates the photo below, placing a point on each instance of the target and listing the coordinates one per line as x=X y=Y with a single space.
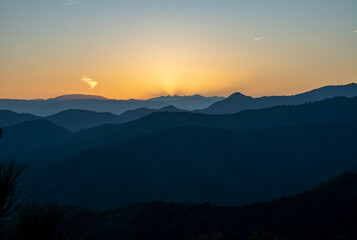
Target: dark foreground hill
x=195 y=164
x=326 y=212
x=238 y=102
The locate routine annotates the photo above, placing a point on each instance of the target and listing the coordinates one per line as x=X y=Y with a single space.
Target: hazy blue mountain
x=331 y=110
x=41 y=107
x=135 y=114
x=195 y=164
x=77 y=96
x=338 y=109
x=53 y=106
x=75 y=119
x=321 y=213
x=238 y=102
x=28 y=136
x=235 y=103
x=8 y=118
x=188 y=102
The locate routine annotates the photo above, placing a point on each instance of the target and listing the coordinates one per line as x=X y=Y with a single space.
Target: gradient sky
x=145 y=48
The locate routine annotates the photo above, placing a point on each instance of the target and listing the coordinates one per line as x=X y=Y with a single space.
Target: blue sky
x=144 y=48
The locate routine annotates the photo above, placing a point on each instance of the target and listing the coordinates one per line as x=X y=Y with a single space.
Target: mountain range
x=41 y=107
x=209 y=105
x=196 y=164
x=330 y=110
x=238 y=102
x=99 y=160
x=188 y=102
x=76 y=119
x=228 y=159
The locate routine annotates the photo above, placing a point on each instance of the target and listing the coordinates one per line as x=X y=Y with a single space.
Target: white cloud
x=89 y=81
x=355 y=31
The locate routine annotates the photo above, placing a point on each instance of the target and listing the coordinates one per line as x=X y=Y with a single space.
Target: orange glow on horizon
x=140 y=50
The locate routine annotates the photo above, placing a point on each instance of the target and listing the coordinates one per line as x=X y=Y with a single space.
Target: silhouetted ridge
x=170 y=108
x=195 y=164
x=331 y=110
x=210 y=105
x=238 y=95
x=31 y=135
x=78 y=96
x=238 y=102
x=8 y=118
x=75 y=119
x=327 y=211
x=188 y=102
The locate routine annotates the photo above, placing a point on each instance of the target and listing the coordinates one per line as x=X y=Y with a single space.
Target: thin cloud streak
x=69 y=2
x=355 y=31
x=89 y=81
x=259 y=38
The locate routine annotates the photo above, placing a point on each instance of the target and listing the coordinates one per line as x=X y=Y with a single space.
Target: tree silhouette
x=213 y=236
x=9 y=186
x=339 y=237
x=9 y=174
x=34 y=221
x=260 y=235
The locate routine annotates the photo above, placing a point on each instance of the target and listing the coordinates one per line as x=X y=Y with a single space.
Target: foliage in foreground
x=9 y=187
x=34 y=221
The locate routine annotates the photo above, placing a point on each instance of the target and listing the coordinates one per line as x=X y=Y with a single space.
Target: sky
x=147 y=48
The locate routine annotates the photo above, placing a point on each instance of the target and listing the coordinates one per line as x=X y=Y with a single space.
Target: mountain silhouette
x=331 y=110
x=31 y=135
x=77 y=96
x=49 y=107
x=174 y=155
x=75 y=119
x=41 y=107
x=8 y=118
x=188 y=102
x=210 y=105
x=195 y=164
x=135 y=114
x=238 y=102
x=321 y=213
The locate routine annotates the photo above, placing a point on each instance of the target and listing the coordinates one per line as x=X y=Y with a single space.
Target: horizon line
x=175 y=95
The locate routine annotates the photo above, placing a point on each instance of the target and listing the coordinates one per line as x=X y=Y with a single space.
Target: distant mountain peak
x=170 y=108
x=178 y=97
x=238 y=101
x=168 y=97
x=78 y=96
x=238 y=95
